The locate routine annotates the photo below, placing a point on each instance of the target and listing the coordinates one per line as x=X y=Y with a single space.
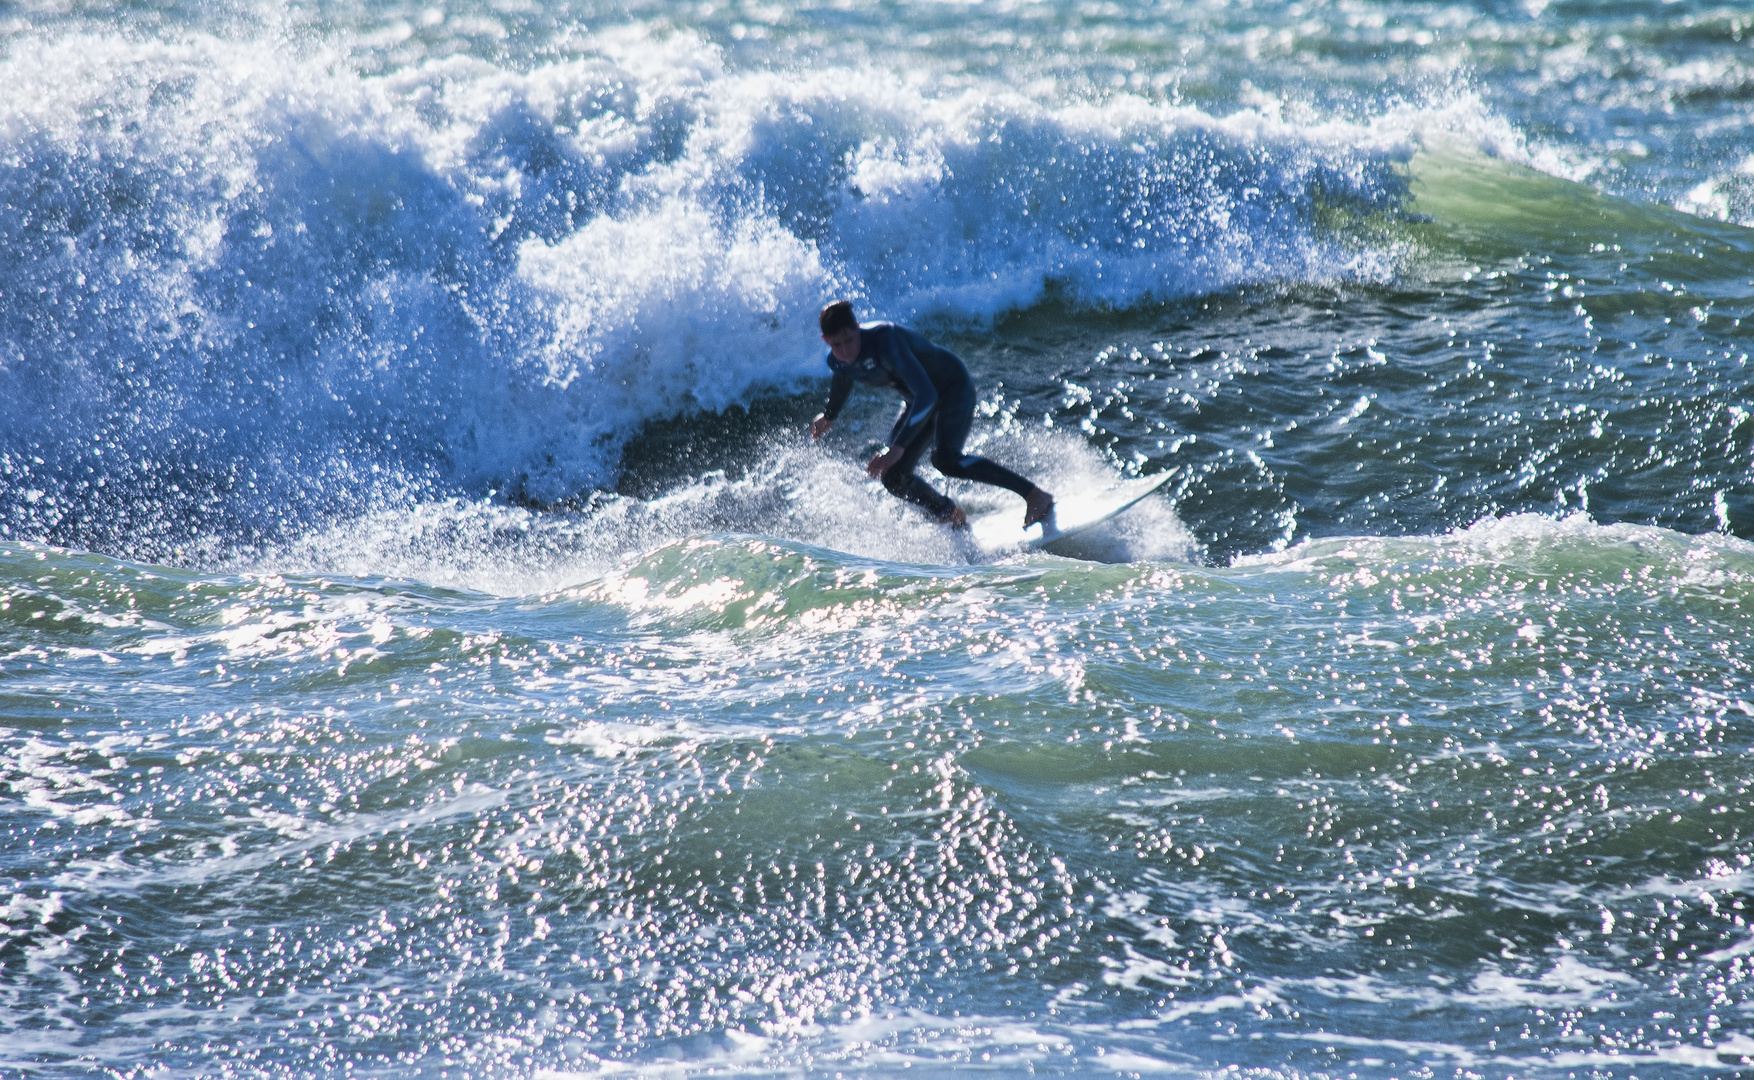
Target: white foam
x=611 y=740
x=1703 y=560
x=798 y=492
x=887 y=1043
x=305 y=835
x=65 y=780
x=339 y=289
x=1732 y=1047
x=1568 y=984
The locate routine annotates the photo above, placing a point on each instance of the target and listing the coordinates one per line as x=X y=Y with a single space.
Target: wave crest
x=248 y=291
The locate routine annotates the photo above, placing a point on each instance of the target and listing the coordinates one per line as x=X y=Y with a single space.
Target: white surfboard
x=1002 y=530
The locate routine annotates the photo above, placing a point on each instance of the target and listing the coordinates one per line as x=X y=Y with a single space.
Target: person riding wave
x=938 y=407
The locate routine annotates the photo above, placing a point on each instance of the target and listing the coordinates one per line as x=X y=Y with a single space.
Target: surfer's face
x=844 y=344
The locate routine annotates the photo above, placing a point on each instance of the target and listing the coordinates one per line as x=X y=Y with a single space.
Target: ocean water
x=429 y=646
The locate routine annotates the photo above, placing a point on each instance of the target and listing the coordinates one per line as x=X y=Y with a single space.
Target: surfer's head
x=840 y=329
x=838 y=316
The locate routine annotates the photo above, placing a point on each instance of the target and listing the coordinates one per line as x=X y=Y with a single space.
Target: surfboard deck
x=1002 y=530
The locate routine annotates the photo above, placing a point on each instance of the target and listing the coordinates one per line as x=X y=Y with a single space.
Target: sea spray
x=817 y=496
x=250 y=290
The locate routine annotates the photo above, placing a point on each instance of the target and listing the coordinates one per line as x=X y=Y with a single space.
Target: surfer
x=939 y=405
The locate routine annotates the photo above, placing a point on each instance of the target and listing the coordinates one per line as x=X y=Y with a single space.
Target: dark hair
x=838 y=316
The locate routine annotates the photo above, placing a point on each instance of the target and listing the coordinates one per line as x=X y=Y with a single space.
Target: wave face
x=244 y=287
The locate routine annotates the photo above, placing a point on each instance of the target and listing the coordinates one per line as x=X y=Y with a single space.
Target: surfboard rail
x=1001 y=530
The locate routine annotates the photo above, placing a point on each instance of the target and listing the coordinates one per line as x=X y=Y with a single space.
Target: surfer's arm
x=837 y=397
x=922 y=397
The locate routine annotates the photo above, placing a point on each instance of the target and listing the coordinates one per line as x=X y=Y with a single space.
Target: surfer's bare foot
x=1037 y=504
x=956 y=519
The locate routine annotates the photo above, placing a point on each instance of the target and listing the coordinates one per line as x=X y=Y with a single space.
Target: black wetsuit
x=940 y=401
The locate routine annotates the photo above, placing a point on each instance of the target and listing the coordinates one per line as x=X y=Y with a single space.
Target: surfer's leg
x=904 y=483
x=955 y=416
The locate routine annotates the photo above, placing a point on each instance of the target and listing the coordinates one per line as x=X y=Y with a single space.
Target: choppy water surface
x=429 y=648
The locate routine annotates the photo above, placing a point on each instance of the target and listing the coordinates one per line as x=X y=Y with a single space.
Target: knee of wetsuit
x=896 y=480
x=950 y=464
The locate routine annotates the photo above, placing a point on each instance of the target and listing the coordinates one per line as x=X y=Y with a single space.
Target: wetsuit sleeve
x=922 y=395
x=838 y=391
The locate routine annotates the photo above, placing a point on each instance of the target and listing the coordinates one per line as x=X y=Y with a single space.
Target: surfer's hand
x=880 y=464
x=819 y=426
